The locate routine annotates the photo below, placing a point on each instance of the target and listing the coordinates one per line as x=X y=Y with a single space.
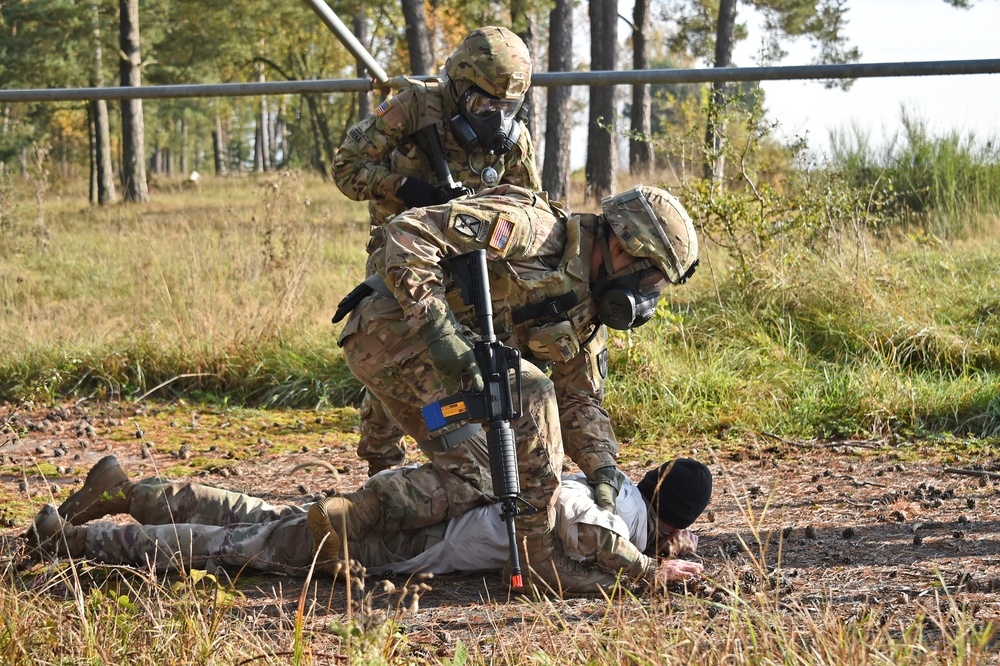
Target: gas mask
x=628 y=301
x=486 y=123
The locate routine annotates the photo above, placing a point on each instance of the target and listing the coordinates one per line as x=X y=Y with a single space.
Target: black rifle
x=494 y=405
x=429 y=141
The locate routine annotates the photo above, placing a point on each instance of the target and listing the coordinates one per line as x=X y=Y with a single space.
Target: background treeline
x=63 y=43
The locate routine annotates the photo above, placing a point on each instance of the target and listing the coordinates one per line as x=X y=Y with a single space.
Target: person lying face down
x=189 y=525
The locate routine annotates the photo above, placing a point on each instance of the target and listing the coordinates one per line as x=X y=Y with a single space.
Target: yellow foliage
x=69 y=123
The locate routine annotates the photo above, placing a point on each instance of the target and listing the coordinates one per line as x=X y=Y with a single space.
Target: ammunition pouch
x=554 y=342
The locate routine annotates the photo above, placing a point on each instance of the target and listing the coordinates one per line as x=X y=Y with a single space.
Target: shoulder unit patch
x=467 y=225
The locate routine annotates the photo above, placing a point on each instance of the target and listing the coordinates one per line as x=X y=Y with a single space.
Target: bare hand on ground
x=671 y=570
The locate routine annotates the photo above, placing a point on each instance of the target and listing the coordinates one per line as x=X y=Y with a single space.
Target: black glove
x=417 y=193
x=607 y=483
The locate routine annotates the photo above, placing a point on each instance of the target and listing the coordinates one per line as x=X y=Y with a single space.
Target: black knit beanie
x=685 y=487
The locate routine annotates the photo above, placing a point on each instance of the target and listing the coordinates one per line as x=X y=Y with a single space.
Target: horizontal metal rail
x=542 y=79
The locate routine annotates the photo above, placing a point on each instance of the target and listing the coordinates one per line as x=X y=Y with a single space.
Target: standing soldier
x=556 y=283
x=471 y=113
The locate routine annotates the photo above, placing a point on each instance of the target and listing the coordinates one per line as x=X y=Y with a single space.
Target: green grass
x=946 y=184
x=229 y=289
x=224 y=296
x=905 y=343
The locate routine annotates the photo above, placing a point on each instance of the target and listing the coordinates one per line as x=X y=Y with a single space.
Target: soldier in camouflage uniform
x=483 y=88
x=555 y=281
x=188 y=525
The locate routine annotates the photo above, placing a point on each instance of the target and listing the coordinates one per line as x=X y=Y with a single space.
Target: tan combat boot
x=50 y=535
x=548 y=570
x=106 y=491
x=334 y=521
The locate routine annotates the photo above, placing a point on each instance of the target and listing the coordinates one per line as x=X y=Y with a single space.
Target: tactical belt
x=548 y=309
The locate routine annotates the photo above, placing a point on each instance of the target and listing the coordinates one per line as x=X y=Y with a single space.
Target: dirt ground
x=857 y=525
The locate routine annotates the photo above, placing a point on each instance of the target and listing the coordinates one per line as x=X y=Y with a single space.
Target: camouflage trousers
x=192 y=526
x=391 y=360
x=381 y=442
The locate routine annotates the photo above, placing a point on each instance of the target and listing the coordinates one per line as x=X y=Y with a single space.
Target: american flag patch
x=382 y=108
x=502 y=233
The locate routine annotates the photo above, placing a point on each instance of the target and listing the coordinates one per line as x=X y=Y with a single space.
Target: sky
x=893 y=31
x=884 y=31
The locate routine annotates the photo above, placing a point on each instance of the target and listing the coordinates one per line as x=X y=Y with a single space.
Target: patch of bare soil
x=860 y=528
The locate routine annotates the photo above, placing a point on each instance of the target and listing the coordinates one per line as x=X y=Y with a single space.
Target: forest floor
x=854 y=527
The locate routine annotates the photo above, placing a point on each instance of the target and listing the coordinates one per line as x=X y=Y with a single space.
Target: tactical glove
x=607 y=483
x=417 y=193
x=451 y=352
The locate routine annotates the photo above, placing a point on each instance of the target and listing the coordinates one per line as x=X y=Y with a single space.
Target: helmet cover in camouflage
x=652 y=224
x=495 y=59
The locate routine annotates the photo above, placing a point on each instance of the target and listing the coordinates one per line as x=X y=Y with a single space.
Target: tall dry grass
x=232 y=285
x=74 y=613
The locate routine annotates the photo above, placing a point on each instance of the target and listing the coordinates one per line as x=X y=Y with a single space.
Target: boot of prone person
x=105 y=492
x=334 y=521
x=547 y=570
x=50 y=536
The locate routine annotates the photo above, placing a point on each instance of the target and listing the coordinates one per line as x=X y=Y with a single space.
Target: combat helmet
x=651 y=223
x=487 y=78
x=495 y=60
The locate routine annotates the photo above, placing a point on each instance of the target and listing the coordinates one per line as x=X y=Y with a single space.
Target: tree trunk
x=558 y=111
x=218 y=148
x=715 y=130
x=272 y=138
x=258 y=154
x=107 y=192
x=103 y=175
x=526 y=27
x=417 y=37
x=92 y=134
x=184 y=147
x=155 y=163
x=601 y=149
x=361 y=32
x=279 y=141
x=321 y=130
x=133 y=136
x=640 y=145
x=262 y=148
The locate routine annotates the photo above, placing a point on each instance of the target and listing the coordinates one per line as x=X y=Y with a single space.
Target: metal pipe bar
x=190 y=90
x=792 y=72
x=347 y=38
x=541 y=79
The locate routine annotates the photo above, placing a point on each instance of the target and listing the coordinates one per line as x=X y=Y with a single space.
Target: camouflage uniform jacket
x=378 y=153
x=539 y=264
